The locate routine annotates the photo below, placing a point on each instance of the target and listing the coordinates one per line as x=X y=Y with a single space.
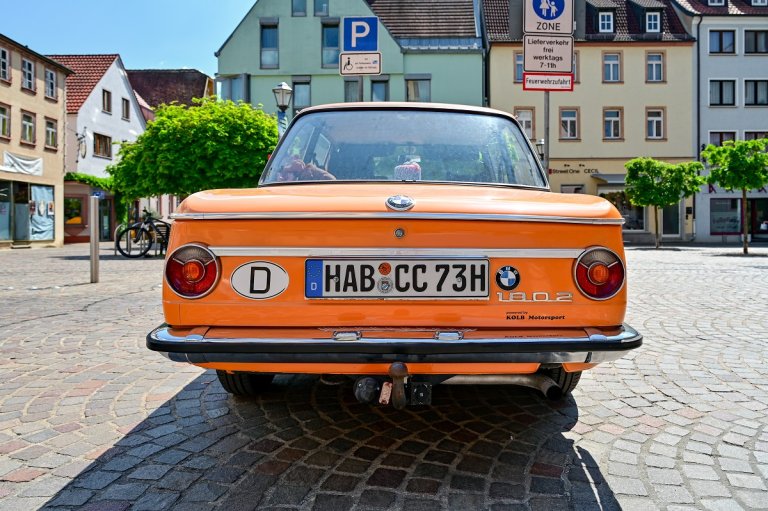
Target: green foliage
x=216 y=144
x=738 y=164
x=105 y=183
x=656 y=183
x=659 y=184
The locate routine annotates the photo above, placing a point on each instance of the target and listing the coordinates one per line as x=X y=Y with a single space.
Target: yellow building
x=32 y=127
x=633 y=64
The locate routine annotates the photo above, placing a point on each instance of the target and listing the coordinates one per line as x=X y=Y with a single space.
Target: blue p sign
x=361 y=33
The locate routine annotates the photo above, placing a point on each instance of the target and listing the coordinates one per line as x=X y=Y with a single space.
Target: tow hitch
x=400 y=391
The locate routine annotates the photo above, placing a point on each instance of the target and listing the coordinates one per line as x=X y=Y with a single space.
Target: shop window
x=74 y=212
x=724 y=217
x=571 y=188
x=41 y=224
x=634 y=216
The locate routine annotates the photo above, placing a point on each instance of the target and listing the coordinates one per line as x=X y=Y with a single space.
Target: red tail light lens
x=599 y=273
x=192 y=271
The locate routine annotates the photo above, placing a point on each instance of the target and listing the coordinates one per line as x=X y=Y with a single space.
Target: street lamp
x=540 y=148
x=283 y=93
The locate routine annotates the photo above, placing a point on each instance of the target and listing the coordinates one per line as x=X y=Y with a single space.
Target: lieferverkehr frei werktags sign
x=548 y=45
x=360 y=45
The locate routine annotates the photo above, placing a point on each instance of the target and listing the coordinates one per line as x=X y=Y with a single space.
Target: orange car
x=402 y=245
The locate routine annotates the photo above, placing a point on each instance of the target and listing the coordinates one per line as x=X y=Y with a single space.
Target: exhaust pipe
x=543 y=384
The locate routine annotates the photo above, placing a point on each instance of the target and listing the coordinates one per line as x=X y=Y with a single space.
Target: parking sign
x=361 y=33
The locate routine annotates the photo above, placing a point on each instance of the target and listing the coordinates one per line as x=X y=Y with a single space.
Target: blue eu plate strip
x=313 y=287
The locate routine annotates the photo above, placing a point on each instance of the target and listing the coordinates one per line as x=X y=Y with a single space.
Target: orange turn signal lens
x=599 y=274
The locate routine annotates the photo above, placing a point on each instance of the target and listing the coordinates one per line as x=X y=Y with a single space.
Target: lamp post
x=540 y=148
x=283 y=93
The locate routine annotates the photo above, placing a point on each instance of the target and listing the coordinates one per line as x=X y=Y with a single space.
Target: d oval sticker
x=259 y=280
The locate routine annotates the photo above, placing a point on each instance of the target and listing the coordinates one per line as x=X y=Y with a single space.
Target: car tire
x=565 y=380
x=244 y=384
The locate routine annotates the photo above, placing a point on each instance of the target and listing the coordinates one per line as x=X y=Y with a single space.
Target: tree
x=738 y=165
x=659 y=184
x=216 y=144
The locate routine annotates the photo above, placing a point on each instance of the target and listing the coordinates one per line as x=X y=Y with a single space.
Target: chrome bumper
x=595 y=346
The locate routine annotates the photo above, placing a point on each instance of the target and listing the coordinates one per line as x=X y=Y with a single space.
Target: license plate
x=397 y=278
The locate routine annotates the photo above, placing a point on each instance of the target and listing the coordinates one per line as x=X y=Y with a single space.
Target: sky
x=148 y=34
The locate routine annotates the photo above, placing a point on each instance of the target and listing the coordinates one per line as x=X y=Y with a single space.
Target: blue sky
x=169 y=34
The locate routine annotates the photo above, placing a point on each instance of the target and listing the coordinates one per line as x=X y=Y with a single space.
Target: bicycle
x=136 y=240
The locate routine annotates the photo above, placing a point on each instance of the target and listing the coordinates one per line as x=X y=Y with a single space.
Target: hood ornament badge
x=400 y=203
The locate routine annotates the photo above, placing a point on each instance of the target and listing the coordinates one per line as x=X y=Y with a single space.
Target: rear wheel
x=244 y=384
x=133 y=242
x=565 y=380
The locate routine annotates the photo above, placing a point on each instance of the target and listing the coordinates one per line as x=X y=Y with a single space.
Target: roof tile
x=426 y=18
x=88 y=70
x=159 y=86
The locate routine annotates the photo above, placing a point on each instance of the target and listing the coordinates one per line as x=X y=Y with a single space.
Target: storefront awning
x=610 y=179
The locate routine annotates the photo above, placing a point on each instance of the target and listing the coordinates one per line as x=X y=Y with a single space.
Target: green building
x=431 y=50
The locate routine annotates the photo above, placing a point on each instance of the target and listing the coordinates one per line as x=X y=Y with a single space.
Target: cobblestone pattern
x=91 y=420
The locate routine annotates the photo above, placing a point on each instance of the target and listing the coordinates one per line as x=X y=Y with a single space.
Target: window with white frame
x=756 y=92
x=605 y=22
x=50 y=84
x=715 y=3
x=28 y=127
x=654 y=124
x=525 y=118
x=51 y=133
x=759 y=3
x=653 y=22
x=27 y=74
x=611 y=123
x=5 y=65
x=654 y=67
x=5 y=120
x=611 y=67
x=569 y=123
x=519 y=67
x=722 y=92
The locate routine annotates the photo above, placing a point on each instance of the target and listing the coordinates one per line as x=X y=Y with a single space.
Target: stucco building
x=32 y=126
x=632 y=97
x=430 y=51
x=102 y=110
x=731 y=98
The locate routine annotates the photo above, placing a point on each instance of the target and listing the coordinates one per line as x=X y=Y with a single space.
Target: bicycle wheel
x=133 y=242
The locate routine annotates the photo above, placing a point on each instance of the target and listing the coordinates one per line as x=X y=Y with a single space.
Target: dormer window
x=716 y=3
x=653 y=22
x=605 y=22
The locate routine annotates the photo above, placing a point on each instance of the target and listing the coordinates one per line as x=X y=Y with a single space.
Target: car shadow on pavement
x=306 y=445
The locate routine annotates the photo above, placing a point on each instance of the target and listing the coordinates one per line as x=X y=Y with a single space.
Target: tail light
x=192 y=271
x=599 y=273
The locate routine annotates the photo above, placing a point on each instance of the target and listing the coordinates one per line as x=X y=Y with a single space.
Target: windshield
x=404 y=145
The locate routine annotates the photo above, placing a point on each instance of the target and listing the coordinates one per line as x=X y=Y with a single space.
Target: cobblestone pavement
x=90 y=419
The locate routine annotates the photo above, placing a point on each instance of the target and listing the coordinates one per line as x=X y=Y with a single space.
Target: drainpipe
x=698 y=112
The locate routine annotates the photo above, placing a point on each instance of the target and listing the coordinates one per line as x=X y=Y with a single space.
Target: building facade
x=731 y=94
x=32 y=126
x=102 y=110
x=633 y=71
x=430 y=51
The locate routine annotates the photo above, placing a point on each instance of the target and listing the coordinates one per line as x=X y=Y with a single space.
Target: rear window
x=405 y=145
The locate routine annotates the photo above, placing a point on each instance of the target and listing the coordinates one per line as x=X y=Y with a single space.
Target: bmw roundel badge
x=400 y=203
x=507 y=278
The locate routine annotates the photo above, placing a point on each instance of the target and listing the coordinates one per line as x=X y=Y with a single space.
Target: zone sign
x=552 y=17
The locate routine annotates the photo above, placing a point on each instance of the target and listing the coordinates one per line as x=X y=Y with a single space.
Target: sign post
x=548 y=52
x=360 y=46
x=93 y=219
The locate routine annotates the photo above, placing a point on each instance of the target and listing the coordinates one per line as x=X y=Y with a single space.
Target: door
x=105 y=220
x=759 y=215
x=21 y=211
x=670 y=221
